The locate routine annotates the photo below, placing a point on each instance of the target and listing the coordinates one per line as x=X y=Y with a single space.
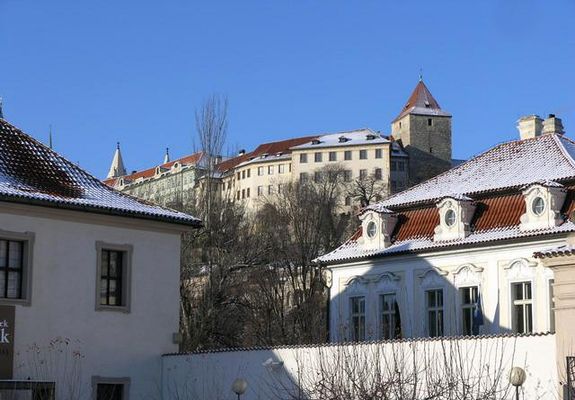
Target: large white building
x=454 y=255
x=89 y=279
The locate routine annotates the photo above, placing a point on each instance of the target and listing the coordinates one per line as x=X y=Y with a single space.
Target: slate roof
x=32 y=173
x=422 y=102
x=493 y=180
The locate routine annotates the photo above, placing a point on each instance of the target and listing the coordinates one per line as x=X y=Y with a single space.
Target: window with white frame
x=357 y=318
x=468 y=296
x=388 y=322
x=15 y=267
x=281 y=168
x=260 y=171
x=522 y=307
x=434 y=303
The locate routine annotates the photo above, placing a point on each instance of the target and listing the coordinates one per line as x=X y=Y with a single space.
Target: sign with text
x=7 y=319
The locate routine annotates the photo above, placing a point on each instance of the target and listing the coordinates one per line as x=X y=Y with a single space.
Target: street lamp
x=517 y=378
x=239 y=387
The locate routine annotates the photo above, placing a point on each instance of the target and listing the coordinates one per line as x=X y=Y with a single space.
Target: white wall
x=113 y=344
x=492 y=268
x=210 y=375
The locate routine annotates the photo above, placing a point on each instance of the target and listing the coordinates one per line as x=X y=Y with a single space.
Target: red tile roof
x=282 y=146
x=150 y=172
x=421 y=101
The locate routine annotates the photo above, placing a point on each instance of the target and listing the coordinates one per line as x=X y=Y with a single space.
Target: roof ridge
x=567 y=156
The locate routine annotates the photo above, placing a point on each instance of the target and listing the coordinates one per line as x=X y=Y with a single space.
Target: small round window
x=450 y=217
x=538 y=205
x=371 y=229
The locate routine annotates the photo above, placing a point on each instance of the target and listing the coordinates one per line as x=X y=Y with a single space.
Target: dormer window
x=315 y=141
x=371 y=229
x=543 y=202
x=343 y=139
x=538 y=205
x=377 y=225
x=455 y=214
x=370 y=136
x=450 y=217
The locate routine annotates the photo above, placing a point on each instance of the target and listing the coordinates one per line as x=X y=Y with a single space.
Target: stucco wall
x=492 y=268
x=113 y=344
x=210 y=375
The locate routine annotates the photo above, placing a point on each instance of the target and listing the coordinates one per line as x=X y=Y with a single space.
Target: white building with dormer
x=454 y=255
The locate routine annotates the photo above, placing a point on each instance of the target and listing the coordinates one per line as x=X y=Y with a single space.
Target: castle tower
x=424 y=130
x=117 y=168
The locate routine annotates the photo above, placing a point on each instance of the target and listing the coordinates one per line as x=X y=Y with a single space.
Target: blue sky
x=135 y=71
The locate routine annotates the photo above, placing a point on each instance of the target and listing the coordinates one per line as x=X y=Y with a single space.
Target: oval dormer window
x=371 y=229
x=450 y=217
x=538 y=205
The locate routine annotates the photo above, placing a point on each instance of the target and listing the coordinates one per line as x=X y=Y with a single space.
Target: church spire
x=167 y=155
x=117 y=168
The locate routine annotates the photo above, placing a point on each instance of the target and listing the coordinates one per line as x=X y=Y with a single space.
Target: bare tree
x=367 y=190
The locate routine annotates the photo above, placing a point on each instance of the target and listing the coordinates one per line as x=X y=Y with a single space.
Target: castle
x=418 y=148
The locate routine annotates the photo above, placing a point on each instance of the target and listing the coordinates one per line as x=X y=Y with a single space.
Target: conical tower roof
x=117 y=168
x=422 y=102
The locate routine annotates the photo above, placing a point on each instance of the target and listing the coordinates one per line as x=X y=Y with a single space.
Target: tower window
x=429 y=122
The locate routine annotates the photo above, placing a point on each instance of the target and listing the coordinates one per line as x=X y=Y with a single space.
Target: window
x=11 y=268
x=357 y=317
x=378 y=174
x=401 y=166
x=348 y=201
x=394 y=165
x=347 y=175
x=317 y=176
x=281 y=168
x=249 y=172
x=270 y=189
x=468 y=297
x=363 y=154
x=270 y=170
x=239 y=176
x=110 y=388
x=248 y=192
x=260 y=190
x=389 y=326
x=332 y=156
x=522 y=305
x=280 y=188
x=378 y=153
x=371 y=229
x=362 y=173
x=303 y=176
x=243 y=193
x=260 y=171
x=303 y=158
x=450 y=218
x=538 y=206
x=434 y=299
x=114 y=271
x=238 y=195
x=429 y=122
x=317 y=157
x=347 y=155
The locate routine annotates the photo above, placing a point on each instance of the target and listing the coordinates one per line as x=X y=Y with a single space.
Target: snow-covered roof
x=353 y=248
x=32 y=173
x=509 y=165
x=565 y=250
x=494 y=181
x=356 y=137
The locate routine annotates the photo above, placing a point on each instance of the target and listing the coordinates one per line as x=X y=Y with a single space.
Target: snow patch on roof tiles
x=32 y=173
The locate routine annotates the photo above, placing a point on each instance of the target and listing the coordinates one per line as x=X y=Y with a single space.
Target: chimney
x=530 y=126
x=241 y=152
x=553 y=125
